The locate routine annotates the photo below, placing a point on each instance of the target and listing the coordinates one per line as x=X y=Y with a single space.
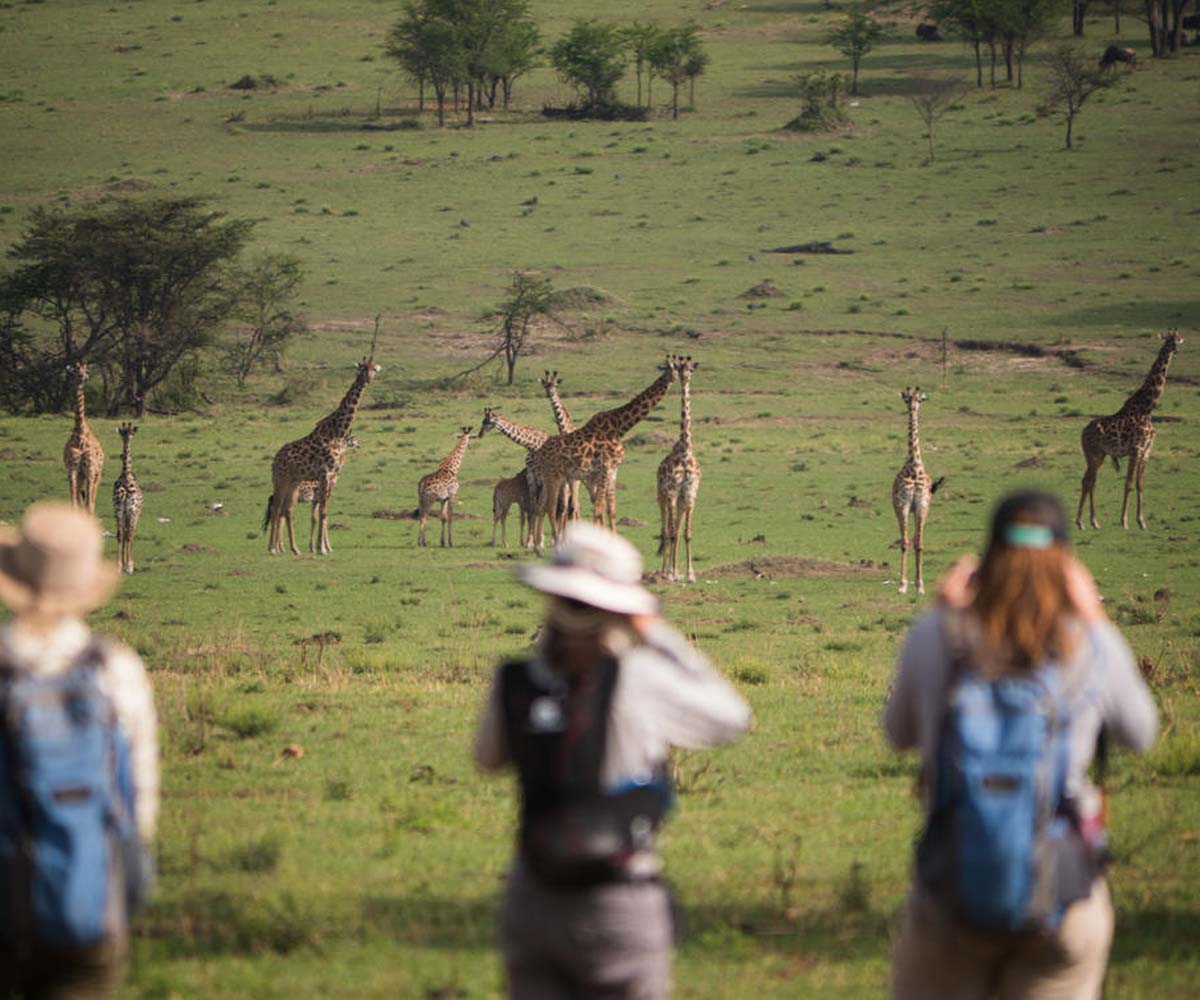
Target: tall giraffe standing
x=1127 y=433
x=679 y=482
x=318 y=457
x=440 y=488
x=550 y=382
x=594 y=452
x=83 y=456
x=912 y=491
x=127 y=500
x=307 y=493
x=529 y=438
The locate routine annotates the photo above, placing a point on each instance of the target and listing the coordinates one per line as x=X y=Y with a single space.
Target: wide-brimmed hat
x=595 y=566
x=54 y=566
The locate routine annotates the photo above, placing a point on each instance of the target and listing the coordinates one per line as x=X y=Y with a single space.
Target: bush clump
x=821 y=93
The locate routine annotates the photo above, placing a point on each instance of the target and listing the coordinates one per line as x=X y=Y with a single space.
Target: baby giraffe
x=912 y=492
x=440 y=488
x=127 y=500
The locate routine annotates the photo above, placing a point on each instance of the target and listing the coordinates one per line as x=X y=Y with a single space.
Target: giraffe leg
x=93 y=491
x=498 y=518
x=1141 y=476
x=687 y=541
x=314 y=521
x=902 y=517
x=610 y=491
x=677 y=522
x=1130 y=476
x=73 y=487
x=448 y=522
x=129 y=533
x=667 y=533
x=1088 y=491
x=920 y=546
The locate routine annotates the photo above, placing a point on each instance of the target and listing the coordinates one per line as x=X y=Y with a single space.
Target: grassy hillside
x=370 y=866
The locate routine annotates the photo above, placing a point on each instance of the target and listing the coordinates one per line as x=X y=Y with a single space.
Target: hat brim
x=582 y=585
x=24 y=600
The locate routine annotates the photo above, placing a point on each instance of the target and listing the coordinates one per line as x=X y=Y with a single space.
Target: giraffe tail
x=1116 y=462
x=267 y=516
x=936 y=484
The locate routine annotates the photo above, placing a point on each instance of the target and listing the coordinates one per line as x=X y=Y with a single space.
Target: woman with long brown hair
x=1018 y=643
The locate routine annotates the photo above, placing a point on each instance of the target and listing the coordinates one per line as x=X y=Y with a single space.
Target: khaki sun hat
x=54 y=566
x=595 y=566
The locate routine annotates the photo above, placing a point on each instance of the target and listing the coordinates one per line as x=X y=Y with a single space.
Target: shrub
x=820 y=93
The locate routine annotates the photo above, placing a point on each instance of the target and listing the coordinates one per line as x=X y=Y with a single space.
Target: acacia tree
x=1074 y=77
x=676 y=55
x=427 y=47
x=514 y=51
x=854 y=38
x=640 y=38
x=263 y=315
x=934 y=101
x=965 y=18
x=134 y=287
x=591 y=57
x=528 y=297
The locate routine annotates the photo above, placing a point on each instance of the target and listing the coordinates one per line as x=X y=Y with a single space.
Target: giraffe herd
x=307 y=469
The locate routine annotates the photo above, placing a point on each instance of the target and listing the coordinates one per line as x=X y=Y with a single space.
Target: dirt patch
x=193 y=547
x=1032 y=462
x=582 y=297
x=778 y=567
x=395 y=515
x=763 y=290
x=630 y=522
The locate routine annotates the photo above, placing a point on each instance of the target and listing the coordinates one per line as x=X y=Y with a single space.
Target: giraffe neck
x=914 y=439
x=618 y=422
x=685 y=415
x=1146 y=398
x=526 y=437
x=80 y=417
x=561 y=416
x=127 y=458
x=337 y=425
x=452 y=461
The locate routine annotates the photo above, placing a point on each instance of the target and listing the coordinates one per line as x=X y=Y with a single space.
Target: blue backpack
x=1002 y=848
x=71 y=866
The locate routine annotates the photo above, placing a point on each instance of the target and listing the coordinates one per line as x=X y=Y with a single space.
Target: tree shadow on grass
x=1161 y=934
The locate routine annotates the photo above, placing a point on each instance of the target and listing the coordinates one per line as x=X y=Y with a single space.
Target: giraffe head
x=367 y=369
x=489 y=421
x=465 y=432
x=78 y=372
x=684 y=367
x=550 y=381
x=1171 y=340
x=127 y=431
x=913 y=398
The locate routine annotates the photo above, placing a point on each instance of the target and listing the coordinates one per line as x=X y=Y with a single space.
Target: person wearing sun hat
x=52 y=573
x=1026 y=608
x=587 y=721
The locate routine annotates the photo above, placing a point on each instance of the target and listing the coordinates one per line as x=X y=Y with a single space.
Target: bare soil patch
x=795 y=567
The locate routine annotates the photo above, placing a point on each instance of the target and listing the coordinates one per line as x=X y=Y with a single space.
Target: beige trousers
x=934 y=959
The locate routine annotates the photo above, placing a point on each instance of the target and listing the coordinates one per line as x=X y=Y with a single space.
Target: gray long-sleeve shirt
x=1115 y=696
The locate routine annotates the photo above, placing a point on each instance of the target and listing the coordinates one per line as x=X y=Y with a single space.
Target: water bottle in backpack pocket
x=1002 y=848
x=72 y=868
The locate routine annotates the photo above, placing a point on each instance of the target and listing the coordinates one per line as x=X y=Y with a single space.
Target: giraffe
x=83 y=456
x=550 y=382
x=307 y=493
x=127 y=500
x=679 y=482
x=514 y=490
x=529 y=438
x=912 y=491
x=1128 y=433
x=594 y=451
x=440 y=488
x=317 y=457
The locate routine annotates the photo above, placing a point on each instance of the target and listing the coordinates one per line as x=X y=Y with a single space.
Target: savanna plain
x=1021 y=285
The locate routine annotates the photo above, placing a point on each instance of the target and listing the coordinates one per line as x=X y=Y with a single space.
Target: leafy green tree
x=1074 y=77
x=820 y=92
x=516 y=49
x=1021 y=23
x=640 y=38
x=967 y=19
x=933 y=101
x=677 y=56
x=528 y=296
x=428 y=48
x=854 y=37
x=592 y=57
x=133 y=287
x=263 y=319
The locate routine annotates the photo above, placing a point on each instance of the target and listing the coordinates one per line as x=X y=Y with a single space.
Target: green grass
x=370 y=865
